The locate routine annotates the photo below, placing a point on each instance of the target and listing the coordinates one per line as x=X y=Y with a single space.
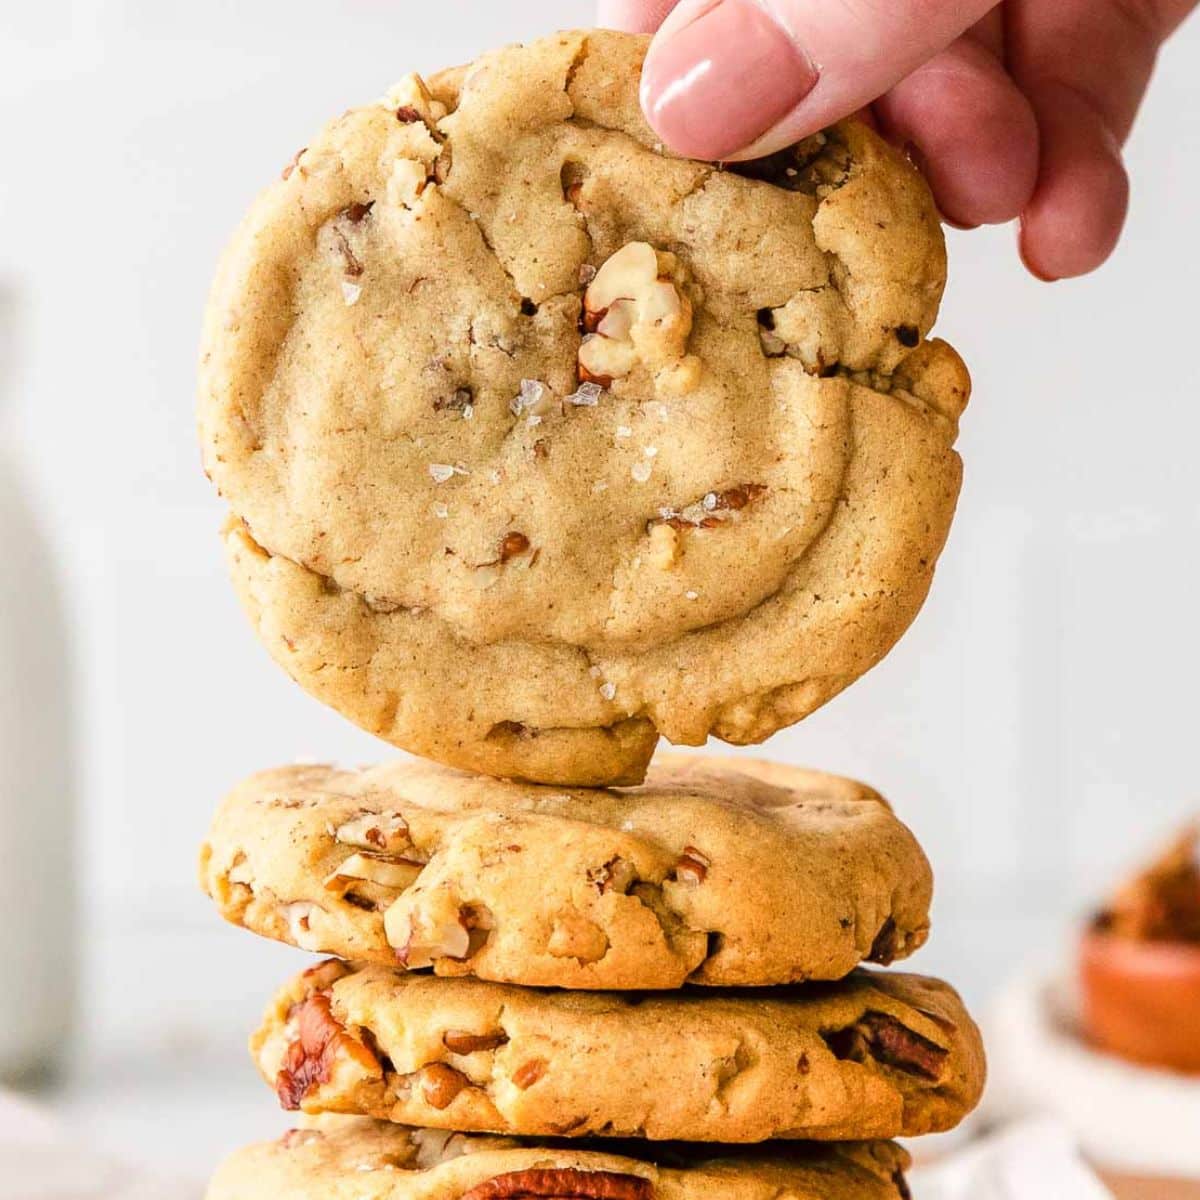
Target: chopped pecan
x=890 y=1042
x=407 y=115
x=354 y=213
x=563 y=1183
x=459 y=1041
x=1162 y=903
x=692 y=867
x=321 y=1040
x=708 y=512
x=615 y=875
x=383 y=831
x=512 y=544
x=374 y=868
x=528 y=1073
x=440 y=1083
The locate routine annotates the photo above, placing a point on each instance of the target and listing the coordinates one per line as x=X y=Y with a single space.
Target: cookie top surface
x=373 y=1160
x=717 y=871
x=878 y=1054
x=492 y=384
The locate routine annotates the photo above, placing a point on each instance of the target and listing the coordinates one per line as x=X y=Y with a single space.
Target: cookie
x=877 y=1055
x=717 y=871
x=369 y=1160
x=541 y=443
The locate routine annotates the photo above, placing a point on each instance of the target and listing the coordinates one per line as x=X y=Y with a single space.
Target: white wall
x=1037 y=727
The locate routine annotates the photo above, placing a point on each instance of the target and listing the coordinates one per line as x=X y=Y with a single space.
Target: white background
x=1037 y=728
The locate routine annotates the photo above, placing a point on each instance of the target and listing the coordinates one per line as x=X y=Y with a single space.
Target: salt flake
x=640 y=471
x=692 y=595
x=440 y=472
x=350 y=292
x=624 y=431
x=440 y=511
x=588 y=395
x=608 y=690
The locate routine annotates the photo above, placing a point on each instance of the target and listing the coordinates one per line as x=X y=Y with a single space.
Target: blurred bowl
x=1141 y=999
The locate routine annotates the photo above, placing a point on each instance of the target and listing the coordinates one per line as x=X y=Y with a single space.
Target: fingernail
x=717 y=84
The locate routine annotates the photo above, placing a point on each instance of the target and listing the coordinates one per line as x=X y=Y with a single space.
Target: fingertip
x=1074 y=220
x=974 y=134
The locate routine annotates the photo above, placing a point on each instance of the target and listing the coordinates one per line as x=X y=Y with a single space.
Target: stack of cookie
x=542 y=443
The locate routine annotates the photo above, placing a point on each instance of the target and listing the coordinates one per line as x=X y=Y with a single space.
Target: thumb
x=731 y=79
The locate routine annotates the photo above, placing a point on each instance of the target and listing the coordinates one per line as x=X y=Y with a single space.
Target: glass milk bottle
x=37 y=817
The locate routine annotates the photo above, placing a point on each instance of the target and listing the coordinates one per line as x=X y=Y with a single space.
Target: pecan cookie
x=878 y=1054
x=541 y=443
x=369 y=1160
x=717 y=871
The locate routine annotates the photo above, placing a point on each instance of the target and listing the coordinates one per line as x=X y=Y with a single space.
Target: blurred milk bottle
x=37 y=810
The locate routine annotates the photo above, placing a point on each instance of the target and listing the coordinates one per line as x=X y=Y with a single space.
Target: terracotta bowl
x=1141 y=1000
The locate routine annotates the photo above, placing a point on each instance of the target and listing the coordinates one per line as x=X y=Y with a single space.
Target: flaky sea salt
x=710 y=501
x=528 y=398
x=649 y=451
x=608 y=690
x=601 y=485
x=624 y=431
x=640 y=471
x=440 y=511
x=440 y=472
x=350 y=292
x=588 y=395
x=692 y=595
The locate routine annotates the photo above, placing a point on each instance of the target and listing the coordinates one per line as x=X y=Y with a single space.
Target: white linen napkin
x=1036 y=1159
x=38 y=1161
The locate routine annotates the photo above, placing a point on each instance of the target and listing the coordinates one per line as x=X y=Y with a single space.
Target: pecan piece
x=440 y=1083
x=459 y=1041
x=709 y=511
x=311 y=1059
x=692 y=867
x=890 y=1042
x=563 y=1183
x=615 y=875
x=528 y=1073
x=512 y=544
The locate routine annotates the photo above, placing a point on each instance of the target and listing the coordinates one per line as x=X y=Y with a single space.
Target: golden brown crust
x=423 y=497
x=391 y=1162
x=717 y=871
x=879 y=1054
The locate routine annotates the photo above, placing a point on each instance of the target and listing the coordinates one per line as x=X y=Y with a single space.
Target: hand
x=1017 y=109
